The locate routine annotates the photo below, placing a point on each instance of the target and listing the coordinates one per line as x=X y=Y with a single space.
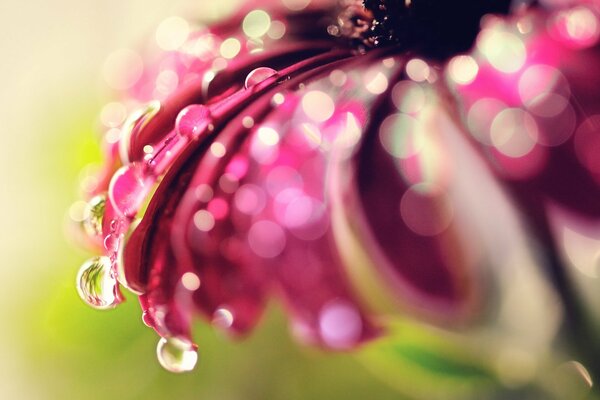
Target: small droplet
x=147 y=319
x=176 y=354
x=111 y=242
x=128 y=189
x=165 y=154
x=222 y=318
x=193 y=120
x=133 y=125
x=258 y=75
x=97 y=285
x=93 y=215
x=114 y=225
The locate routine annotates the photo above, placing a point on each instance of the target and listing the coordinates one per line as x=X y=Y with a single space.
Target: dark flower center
x=433 y=28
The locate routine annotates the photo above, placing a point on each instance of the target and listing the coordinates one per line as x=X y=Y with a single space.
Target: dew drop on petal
x=176 y=354
x=97 y=285
x=128 y=189
x=93 y=215
x=147 y=319
x=222 y=318
x=193 y=120
x=133 y=125
x=258 y=75
x=111 y=242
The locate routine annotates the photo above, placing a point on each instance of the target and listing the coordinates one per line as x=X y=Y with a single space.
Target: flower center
x=436 y=29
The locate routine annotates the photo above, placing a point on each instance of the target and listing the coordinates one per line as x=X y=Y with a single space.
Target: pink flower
x=357 y=162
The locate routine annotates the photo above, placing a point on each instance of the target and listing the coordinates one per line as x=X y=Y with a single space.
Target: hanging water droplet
x=193 y=120
x=176 y=354
x=258 y=75
x=128 y=189
x=222 y=318
x=96 y=284
x=93 y=215
x=133 y=125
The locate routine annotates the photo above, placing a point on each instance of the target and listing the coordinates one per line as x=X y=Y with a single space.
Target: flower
x=362 y=163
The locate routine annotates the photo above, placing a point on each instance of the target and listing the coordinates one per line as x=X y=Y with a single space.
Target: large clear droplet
x=128 y=189
x=193 y=120
x=93 y=215
x=133 y=125
x=176 y=354
x=258 y=75
x=97 y=285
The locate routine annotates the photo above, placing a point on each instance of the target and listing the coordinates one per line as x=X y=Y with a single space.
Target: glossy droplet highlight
x=147 y=319
x=133 y=125
x=93 y=215
x=258 y=75
x=128 y=189
x=193 y=120
x=222 y=318
x=176 y=355
x=111 y=242
x=97 y=285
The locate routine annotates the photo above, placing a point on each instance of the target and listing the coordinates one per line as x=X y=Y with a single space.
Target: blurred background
x=52 y=346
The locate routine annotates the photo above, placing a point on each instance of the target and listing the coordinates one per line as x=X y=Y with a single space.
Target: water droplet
x=222 y=318
x=97 y=285
x=147 y=319
x=133 y=125
x=114 y=225
x=111 y=242
x=93 y=215
x=128 y=189
x=176 y=354
x=120 y=259
x=258 y=75
x=193 y=120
